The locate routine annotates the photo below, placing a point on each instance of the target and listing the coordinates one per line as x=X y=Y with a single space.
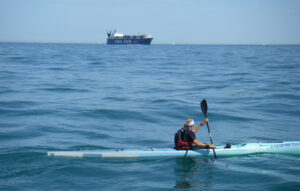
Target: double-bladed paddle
x=204 y=111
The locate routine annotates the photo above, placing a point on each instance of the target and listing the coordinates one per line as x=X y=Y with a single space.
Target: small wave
x=115 y=98
x=87 y=147
x=248 y=165
x=20 y=133
x=96 y=63
x=24 y=162
x=278 y=108
x=256 y=139
x=16 y=57
x=17 y=104
x=147 y=142
x=64 y=90
x=92 y=134
x=6 y=90
x=118 y=114
x=58 y=69
x=223 y=117
x=286 y=96
x=175 y=105
x=27 y=112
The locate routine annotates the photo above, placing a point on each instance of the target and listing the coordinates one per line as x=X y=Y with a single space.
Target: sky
x=168 y=21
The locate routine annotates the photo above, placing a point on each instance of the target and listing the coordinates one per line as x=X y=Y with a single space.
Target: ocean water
x=85 y=96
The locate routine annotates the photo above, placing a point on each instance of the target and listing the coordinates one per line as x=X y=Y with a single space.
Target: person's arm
x=202 y=144
x=201 y=124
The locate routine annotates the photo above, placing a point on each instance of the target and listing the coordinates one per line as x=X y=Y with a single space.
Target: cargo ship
x=118 y=38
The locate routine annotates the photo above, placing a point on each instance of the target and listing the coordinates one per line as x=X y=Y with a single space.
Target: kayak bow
x=238 y=149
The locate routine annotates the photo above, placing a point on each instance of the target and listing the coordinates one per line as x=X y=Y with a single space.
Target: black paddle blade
x=204 y=106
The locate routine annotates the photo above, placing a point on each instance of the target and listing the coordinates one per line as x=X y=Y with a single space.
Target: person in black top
x=185 y=138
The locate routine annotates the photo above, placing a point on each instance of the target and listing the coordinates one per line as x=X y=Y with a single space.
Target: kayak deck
x=292 y=147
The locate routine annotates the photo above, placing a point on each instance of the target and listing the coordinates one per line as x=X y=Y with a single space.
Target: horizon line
x=155 y=43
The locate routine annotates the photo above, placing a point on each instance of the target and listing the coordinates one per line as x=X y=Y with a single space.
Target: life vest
x=180 y=144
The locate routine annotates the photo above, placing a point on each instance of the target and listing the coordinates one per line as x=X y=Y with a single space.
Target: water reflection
x=193 y=173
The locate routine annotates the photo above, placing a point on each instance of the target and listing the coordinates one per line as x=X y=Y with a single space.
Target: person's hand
x=212 y=146
x=205 y=121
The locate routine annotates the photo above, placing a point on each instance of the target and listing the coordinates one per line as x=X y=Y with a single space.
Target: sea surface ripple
x=90 y=96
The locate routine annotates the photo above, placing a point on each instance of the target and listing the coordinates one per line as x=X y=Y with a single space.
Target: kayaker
x=185 y=138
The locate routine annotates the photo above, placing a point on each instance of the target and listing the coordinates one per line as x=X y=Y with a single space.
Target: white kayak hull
x=239 y=149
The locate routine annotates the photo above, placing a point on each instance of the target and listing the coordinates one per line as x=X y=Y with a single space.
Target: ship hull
x=146 y=41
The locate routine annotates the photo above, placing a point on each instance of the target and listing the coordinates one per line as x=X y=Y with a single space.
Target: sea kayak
x=291 y=147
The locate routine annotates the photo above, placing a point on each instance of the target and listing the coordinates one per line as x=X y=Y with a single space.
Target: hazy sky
x=179 y=21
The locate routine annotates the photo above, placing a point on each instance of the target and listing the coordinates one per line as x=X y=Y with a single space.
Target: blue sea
x=91 y=96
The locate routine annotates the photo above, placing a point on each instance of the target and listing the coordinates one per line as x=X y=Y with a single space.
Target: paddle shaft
x=210 y=136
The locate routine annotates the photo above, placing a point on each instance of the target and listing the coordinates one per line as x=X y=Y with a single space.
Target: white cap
x=191 y=123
